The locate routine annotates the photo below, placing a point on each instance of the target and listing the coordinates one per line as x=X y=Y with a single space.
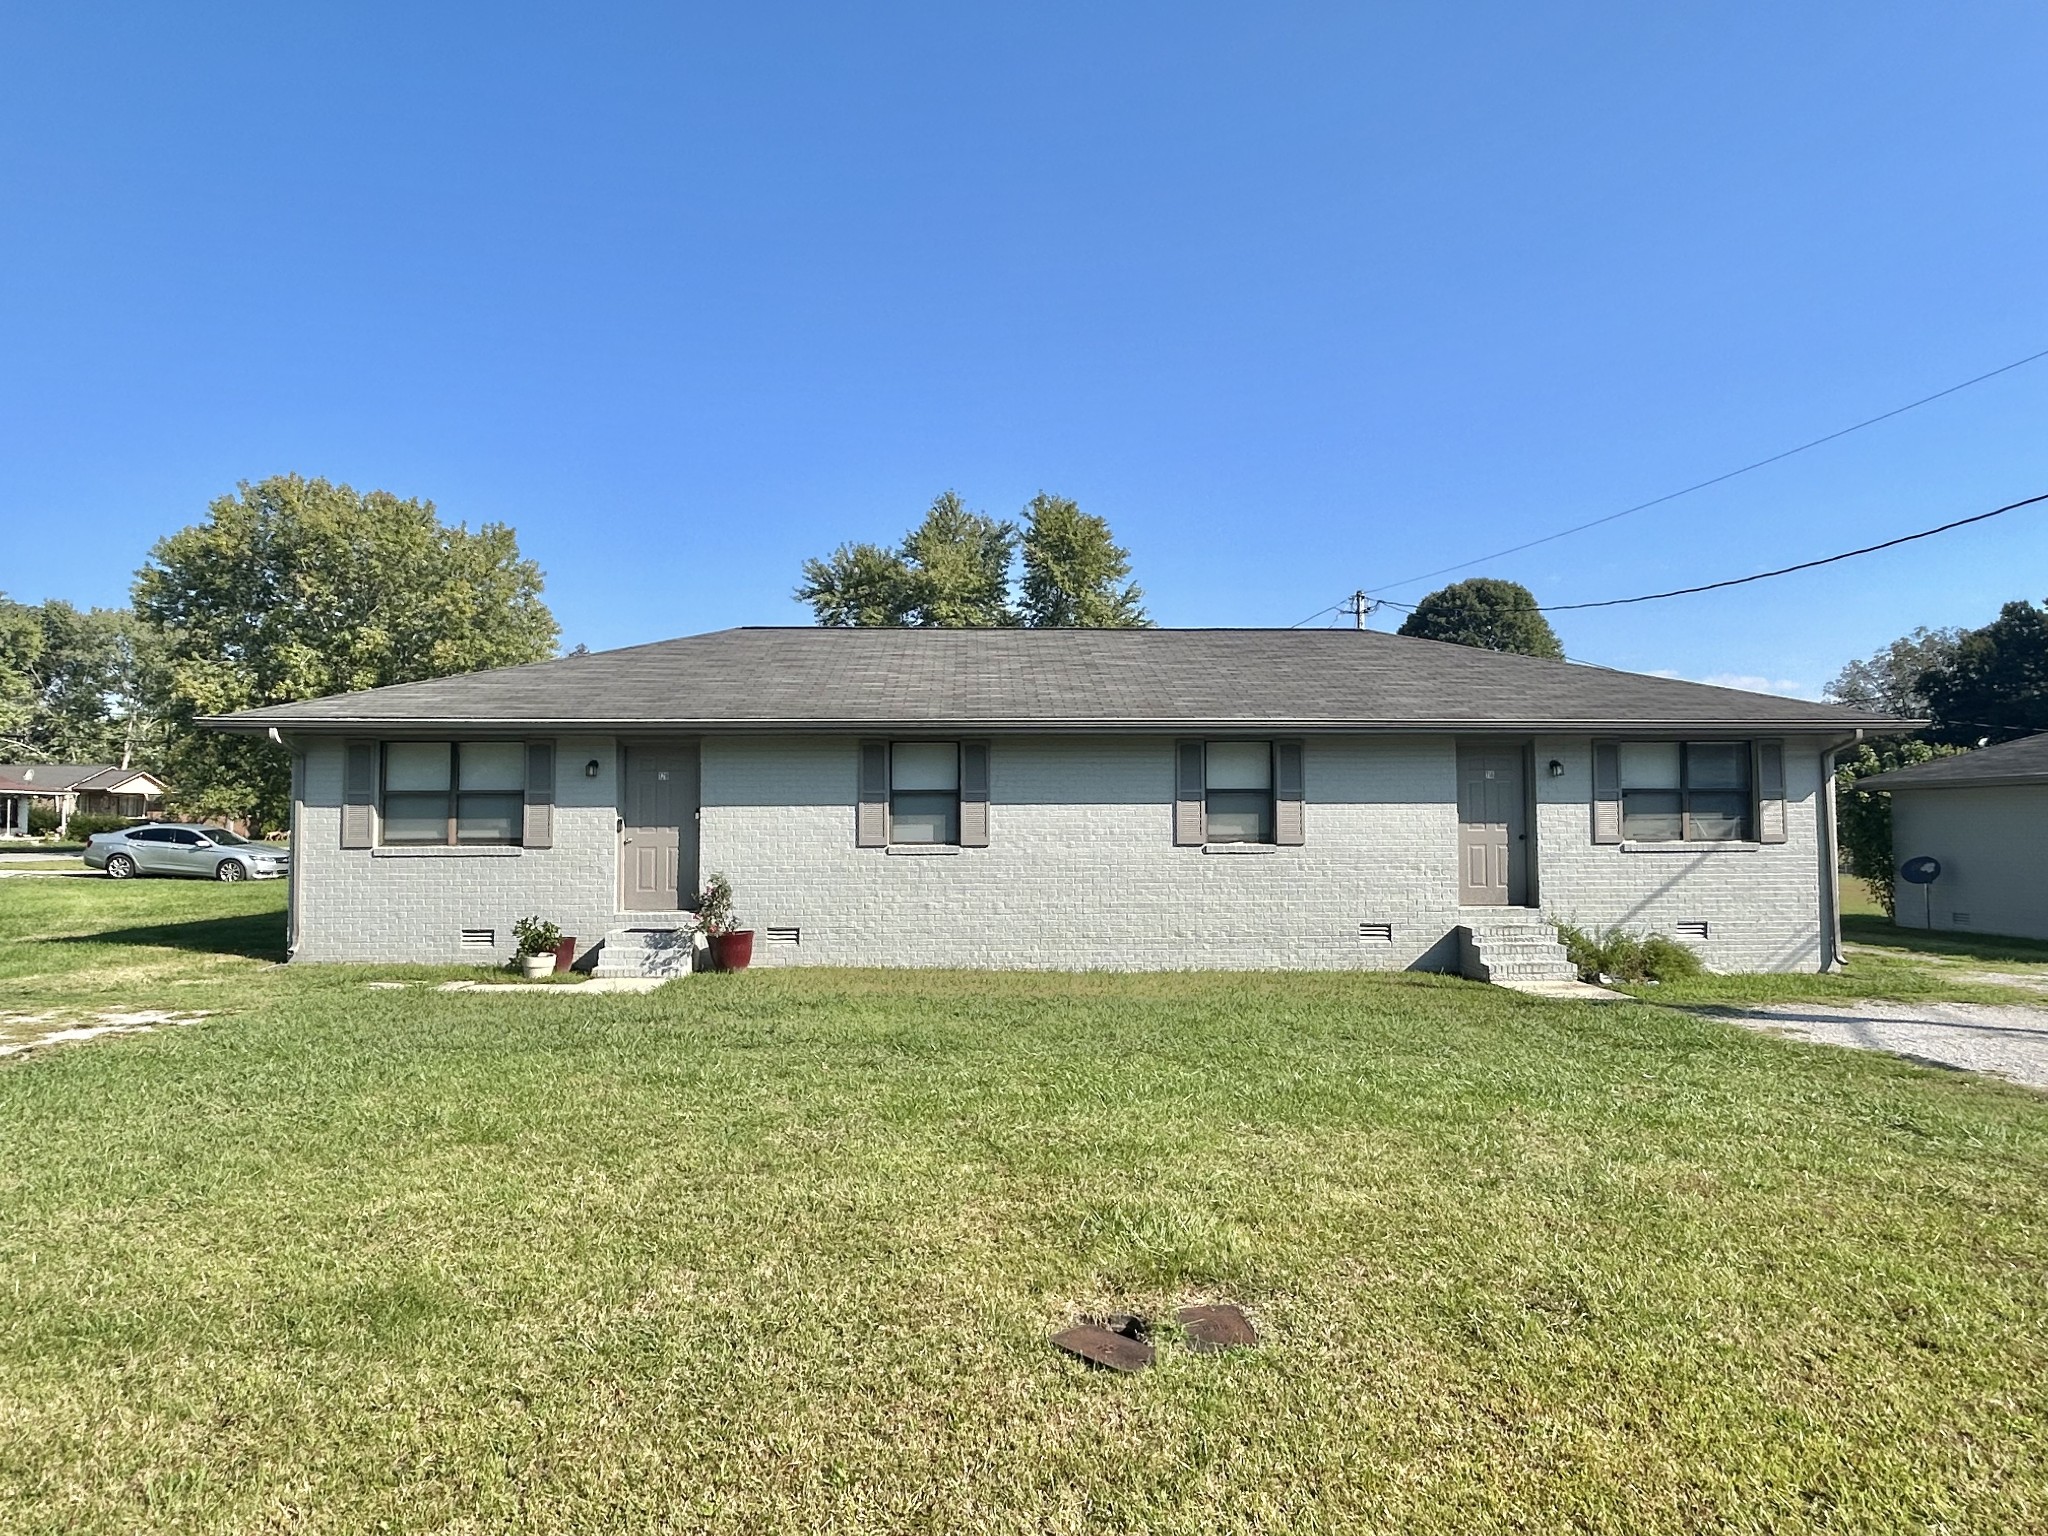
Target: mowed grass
x=779 y=1251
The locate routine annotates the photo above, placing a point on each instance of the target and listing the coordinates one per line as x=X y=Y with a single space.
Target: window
x=924 y=792
x=1239 y=789
x=440 y=792
x=1686 y=792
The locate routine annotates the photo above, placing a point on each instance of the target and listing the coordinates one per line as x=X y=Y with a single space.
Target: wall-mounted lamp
x=590 y=769
x=1556 y=769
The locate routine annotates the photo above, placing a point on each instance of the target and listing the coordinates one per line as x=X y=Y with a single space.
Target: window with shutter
x=974 y=794
x=359 y=794
x=871 y=816
x=1190 y=792
x=538 y=829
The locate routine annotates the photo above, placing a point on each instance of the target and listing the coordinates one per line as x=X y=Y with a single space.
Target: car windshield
x=224 y=837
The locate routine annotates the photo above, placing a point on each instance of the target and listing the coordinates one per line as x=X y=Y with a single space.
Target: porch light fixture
x=1556 y=769
x=590 y=769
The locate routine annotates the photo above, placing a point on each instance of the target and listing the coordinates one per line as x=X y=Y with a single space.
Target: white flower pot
x=537 y=966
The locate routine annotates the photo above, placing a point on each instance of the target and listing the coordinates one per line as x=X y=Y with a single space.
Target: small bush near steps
x=1617 y=955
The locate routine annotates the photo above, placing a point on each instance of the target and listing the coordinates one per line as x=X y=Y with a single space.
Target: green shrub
x=42 y=819
x=1665 y=959
x=535 y=936
x=85 y=826
x=1622 y=956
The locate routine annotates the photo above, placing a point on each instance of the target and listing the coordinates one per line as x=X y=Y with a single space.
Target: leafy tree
x=1995 y=687
x=1492 y=615
x=957 y=564
x=1863 y=818
x=1075 y=575
x=294 y=588
x=954 y=571
x=858 y=586
x=1888 y=682
x=21 y=650
x=75 y=684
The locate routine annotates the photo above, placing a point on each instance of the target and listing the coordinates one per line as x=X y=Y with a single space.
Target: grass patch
x=779 y=1251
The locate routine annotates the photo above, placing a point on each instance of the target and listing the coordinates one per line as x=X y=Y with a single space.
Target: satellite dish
x=1920 y=871
x=1923 y=872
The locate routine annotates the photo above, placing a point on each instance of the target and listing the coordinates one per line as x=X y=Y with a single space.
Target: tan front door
x=658 y=826
x=1492 y=827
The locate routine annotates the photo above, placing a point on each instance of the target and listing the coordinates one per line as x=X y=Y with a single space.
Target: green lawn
x=780 y=1252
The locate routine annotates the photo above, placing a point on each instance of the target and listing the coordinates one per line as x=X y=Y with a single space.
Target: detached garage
x=1983 y=817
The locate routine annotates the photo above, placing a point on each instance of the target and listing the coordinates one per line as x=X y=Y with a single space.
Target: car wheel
x=120 y=867
x=230 y=869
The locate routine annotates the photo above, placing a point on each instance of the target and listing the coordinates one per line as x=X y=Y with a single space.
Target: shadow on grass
x=257 y=936
x=1880 y=934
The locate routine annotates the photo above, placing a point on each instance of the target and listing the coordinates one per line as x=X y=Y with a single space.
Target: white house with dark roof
x=72 y=789
x=1118 y=799
x=1983 y=816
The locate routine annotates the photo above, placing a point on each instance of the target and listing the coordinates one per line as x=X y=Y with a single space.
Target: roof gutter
x=345 y=725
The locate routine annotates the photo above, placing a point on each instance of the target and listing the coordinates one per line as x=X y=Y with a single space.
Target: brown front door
x=658 y=826
x=1492 y=827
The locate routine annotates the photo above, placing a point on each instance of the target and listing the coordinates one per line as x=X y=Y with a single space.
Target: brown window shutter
x=539 y=829
x=1190 y=795
x=359 y=794
x=1770 y=791
x=973 y=794
x=1287 y=793
x=1606 y=792
x=871 y=821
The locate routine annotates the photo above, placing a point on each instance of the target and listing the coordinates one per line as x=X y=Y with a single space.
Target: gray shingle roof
x=61 y=778
x=1059 y=679
x=2014 y=762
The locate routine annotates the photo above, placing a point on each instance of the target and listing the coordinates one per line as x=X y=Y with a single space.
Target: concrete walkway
x=2006 y=1040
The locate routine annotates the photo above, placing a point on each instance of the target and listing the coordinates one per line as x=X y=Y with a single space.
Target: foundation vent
x=1376 y=933
x=1960 y=919
x=785 y=935
x=1696 y=931
x=479 y=938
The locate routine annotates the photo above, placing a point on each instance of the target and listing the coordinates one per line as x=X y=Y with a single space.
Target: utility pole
x=1358 y=606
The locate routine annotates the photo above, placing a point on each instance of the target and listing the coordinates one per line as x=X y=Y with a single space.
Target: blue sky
x=1301 y=298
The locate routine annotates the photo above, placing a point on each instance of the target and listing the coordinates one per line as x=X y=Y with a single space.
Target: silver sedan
x=185 y=848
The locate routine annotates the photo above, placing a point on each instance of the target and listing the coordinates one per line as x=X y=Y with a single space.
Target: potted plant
x=536 y=941
x=731 y=948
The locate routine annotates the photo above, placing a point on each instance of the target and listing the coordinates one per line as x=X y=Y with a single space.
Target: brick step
x=647 y=952
x=1529 y=973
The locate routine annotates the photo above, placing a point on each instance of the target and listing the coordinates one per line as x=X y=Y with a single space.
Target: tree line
x=289 y=589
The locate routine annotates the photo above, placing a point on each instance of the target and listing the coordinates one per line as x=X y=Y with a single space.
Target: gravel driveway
x=2002 y=1039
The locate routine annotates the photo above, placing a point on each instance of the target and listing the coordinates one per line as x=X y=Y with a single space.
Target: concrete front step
x=651 y=950
x=1513 y=950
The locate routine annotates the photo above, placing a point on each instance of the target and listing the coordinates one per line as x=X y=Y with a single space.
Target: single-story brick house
x=1984 y=816
x=1119 y=799
x=75 y=789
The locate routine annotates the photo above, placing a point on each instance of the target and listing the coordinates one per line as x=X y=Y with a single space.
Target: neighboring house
x=1984 y=816
x=75 y=789
x=1122 y=799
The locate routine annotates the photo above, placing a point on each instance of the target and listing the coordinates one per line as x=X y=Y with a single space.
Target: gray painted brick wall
x=1081 y=870
x=381 y=904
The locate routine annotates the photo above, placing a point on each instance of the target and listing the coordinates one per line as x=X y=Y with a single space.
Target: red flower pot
x=732 y=951
x=565 y=954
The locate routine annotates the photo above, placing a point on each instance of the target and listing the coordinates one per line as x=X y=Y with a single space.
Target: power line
x=1658 y=501
x=1785 y=570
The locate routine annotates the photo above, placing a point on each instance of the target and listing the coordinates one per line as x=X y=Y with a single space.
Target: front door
x=1492 y=827
x=658 y=826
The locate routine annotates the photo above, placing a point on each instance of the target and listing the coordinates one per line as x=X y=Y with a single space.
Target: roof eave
x=1055 y=725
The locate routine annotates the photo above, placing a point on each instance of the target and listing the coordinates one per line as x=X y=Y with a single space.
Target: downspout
x=291 y=879
x=1831 y=857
